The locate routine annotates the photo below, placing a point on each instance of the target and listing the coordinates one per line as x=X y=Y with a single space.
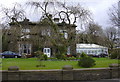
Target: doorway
x=47 y=51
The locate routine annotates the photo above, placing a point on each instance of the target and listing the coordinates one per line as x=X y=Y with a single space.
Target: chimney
x=56 y=20
x=50 y=15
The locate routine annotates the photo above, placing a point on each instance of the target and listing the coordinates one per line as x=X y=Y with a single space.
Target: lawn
x=30 y=63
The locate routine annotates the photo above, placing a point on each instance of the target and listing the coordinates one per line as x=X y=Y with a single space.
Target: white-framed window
x=25 y=48
x=65 y=34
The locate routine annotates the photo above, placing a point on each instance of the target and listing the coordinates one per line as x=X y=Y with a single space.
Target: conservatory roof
x=89 y=46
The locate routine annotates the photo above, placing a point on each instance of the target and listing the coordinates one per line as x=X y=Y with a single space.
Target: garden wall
x=63 y=74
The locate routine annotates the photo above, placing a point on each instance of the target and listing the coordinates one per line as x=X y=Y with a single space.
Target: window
x=89 y=52
x=48 y=50
x=25 y=48
x=45 y=50
x=25 y=36
x=24 y=33
x=26 y=30
x=65 y=34
x=96 y=51
x=45 y=32
x=85 y=51
x=68 y=50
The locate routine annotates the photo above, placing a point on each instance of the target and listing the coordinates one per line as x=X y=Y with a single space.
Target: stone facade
x=28 y=37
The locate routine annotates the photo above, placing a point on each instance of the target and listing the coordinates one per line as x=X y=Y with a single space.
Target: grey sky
x=99 y=8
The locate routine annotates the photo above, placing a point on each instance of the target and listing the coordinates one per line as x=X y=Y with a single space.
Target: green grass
x=30 y=63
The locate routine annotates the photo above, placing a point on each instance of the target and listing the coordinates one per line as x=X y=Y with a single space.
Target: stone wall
x=62 y=74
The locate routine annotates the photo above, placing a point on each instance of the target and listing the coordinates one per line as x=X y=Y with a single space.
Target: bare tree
x=61 y=39
x=12 y=14
x=65 y=16
x=112 y=35
x=113 y=15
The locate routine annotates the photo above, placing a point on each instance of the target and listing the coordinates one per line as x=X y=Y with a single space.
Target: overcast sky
x=99 y=8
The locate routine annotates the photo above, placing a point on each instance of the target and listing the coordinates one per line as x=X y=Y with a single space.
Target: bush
x=83 y=55
x=86 y=62
x=58 y=56
x=61 y=56
x=115 y=53
x=45 y=57
x=71 y=58
x=40 y=55
x=78 y=55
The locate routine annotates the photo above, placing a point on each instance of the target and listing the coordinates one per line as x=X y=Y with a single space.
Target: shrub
x=83 y=55
x=45 y=57
x=40 y=55
x=58 y=56
x=71 y=58
x=86 y=62
x=78 y=55
x=61 y=56
x=115 y=53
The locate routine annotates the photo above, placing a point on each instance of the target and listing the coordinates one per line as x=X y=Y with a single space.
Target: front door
x=47 y=51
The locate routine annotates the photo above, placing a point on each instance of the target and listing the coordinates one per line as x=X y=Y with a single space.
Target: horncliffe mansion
x=27 y=37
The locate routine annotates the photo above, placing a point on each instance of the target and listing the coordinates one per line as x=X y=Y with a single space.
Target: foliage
x=71 y=58
x=86 y=61
x=62 y=57
x=5 y=43
x=83 y=55
x=78 y=55
x=58 y=56
x=115 y=53
x=40 y=55
x=45 y=57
